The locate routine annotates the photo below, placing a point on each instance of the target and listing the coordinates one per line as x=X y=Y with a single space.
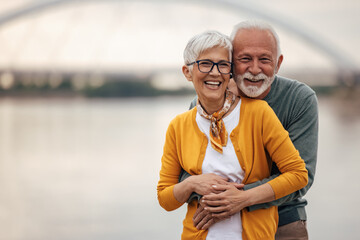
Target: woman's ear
x=187 y=73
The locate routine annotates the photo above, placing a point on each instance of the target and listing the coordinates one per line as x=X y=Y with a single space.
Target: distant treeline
x=107 y=89
x=103 y=85
x=131 y=89
x=88 y=85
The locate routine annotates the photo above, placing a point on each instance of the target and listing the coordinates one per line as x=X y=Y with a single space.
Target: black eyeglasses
x=206 y=66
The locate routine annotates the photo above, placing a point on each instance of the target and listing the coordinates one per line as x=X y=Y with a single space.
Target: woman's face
x=210 y=86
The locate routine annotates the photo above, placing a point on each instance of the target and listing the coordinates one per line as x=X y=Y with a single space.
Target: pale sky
x=125 y=35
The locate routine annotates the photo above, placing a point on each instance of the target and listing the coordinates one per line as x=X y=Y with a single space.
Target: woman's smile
x=212 y=83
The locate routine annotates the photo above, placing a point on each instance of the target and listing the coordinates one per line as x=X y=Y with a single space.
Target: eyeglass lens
x=206 y=66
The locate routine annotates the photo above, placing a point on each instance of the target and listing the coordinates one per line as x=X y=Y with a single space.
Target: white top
x=226 y=165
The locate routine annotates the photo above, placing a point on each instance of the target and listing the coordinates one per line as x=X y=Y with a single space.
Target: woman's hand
x=203 y=184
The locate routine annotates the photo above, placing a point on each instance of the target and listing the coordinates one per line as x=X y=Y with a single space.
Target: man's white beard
x=254 y=91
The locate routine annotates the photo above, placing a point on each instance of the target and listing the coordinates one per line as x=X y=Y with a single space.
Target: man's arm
x=303 y=131
x=184 y=175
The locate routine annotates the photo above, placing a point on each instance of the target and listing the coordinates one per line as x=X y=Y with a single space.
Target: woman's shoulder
x=257 y=110
x=184 y=117
x=254 y=105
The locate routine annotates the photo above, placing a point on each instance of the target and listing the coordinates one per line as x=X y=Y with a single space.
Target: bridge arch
x=342 y=62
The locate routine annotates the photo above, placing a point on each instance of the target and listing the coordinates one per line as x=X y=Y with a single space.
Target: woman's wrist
x=183 y=190
x=190 y=184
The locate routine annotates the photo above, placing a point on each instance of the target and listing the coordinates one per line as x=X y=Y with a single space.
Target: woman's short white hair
x=259 y=25
x=203 y=41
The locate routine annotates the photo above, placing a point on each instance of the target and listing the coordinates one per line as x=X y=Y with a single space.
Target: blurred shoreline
x=117 y=91
x=166 y=82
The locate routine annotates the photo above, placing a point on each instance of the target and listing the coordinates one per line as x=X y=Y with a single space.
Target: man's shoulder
x=288 y=91
x=292 y=86
x=290 y=99
x=193 y=103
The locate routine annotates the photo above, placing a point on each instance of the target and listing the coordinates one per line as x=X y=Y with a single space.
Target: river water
x=74 y=169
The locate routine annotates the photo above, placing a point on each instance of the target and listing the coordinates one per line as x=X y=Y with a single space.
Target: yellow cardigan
x=258 y=129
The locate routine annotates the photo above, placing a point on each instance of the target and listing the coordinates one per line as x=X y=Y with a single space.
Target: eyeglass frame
x=213 y=64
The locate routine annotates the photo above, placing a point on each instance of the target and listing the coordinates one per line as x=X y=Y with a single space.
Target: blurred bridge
x=348 y=74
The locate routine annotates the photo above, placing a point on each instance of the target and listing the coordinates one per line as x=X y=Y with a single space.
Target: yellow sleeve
x=169 y=173
x=282 y=152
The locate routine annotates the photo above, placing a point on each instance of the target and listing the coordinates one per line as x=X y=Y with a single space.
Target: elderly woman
x=224 y=140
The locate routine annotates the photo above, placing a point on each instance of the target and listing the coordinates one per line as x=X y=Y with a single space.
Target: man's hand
x=203 y=219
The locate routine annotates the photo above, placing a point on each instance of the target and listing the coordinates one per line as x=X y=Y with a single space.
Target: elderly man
x=257 y=58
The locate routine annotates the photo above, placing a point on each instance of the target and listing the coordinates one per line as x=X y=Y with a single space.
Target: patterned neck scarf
x=218 y=133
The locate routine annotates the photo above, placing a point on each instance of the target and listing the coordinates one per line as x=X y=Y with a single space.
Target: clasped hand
x=223 y=201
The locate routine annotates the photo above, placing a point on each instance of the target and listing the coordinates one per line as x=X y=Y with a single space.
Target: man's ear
x=187 y=73
x=279 y=63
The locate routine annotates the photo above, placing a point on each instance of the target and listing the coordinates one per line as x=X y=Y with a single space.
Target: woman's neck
x=212 y=106
x=213 y=109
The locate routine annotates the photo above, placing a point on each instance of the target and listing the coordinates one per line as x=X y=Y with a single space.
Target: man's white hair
x=203 y=41
x=259 y=25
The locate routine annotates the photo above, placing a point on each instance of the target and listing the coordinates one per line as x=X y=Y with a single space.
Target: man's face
x=255 y=62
